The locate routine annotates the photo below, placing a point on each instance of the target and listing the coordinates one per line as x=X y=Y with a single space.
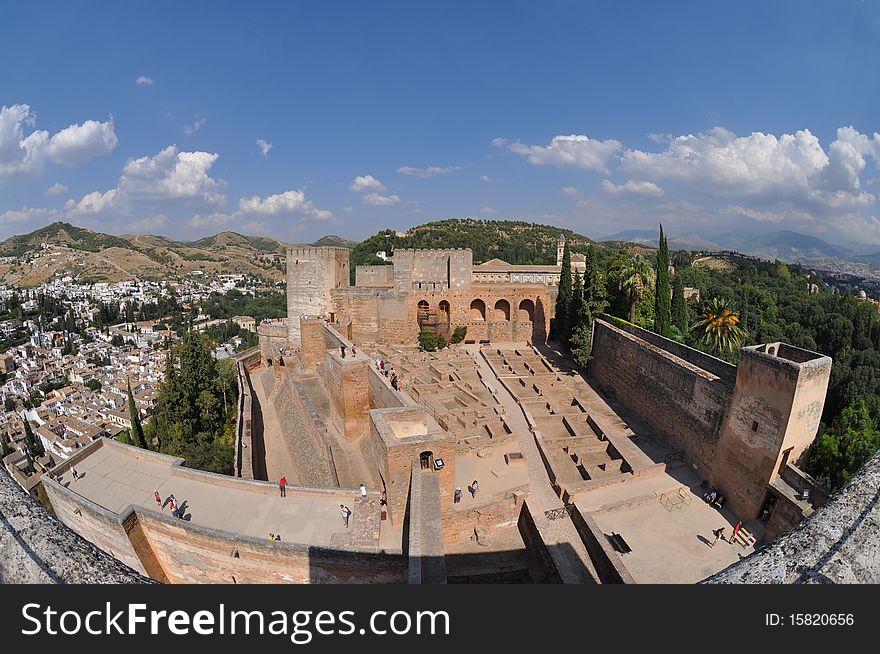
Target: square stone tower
x=312 y=273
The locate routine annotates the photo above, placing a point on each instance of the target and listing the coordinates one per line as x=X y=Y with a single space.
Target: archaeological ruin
x=494 y=459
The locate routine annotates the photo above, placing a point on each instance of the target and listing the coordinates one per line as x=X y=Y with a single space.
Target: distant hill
x=334 y=241
x=513 y=241
x=62 y=249
x=784 y=245
x=651 y=238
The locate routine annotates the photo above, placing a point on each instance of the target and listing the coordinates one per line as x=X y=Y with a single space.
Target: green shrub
x=430 y=342
x=459 y=333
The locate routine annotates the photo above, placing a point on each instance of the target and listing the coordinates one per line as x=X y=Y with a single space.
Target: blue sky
x=301 y=119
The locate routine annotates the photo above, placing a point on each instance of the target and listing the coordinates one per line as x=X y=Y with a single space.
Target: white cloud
x=377 y=200
x=570 y=191
x=574 y=151
x=346 y=209
x=78 y=143
x=172 y=175
x=27 y=214
x=430 y=171
x=488 y=210
x=632 y=188
x=499 y=142
x=197 y=124
x=56 y=189
x=486 y=178
x=255 y=227
x=792 y=168
x=144 y=80
x=264 y=146
x=91 y=203
x=145 y=225
x=283 y=203
x=22 y=155
x=214 y=219
x=364 y=183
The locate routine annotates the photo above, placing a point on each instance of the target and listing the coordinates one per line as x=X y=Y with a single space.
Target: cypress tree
x=33 y=443
x=30 y=461
x=561 y=322
x=662 y=299
x=5 y=450
x=679 y=306
x=137 y=431
x=576 y=315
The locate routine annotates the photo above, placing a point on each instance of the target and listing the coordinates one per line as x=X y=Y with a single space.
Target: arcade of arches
x=487 y=316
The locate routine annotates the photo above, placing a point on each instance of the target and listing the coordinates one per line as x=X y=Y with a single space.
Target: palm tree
x=719 y=326
x=636 y=275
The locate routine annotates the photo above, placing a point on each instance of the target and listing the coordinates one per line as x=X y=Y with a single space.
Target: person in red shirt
x=282 y=485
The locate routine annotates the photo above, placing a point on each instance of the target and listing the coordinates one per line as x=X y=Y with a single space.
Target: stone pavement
x=112 y=478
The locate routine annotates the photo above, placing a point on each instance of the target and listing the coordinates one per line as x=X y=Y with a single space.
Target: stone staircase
x=743 y=538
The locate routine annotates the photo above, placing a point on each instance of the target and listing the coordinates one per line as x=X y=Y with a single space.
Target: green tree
x=34 y=444
x=5 y=450
x=662 y=293
x=137 y=431
x=719 y=327
x=561 y=323
x=593 y=303
x=679 y=305
x=576 y=309
x=459 y=333
x=636 y=276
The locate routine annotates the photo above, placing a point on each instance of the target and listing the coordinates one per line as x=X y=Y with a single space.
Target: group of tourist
x=385 y=369
x=177 y=510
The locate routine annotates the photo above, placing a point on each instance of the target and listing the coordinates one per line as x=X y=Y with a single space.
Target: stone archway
x=526 y=312
x=502 y=310
x=478 y=310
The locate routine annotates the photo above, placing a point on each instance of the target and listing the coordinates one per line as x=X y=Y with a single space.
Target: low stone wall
x=606 y=561
x=37 y=548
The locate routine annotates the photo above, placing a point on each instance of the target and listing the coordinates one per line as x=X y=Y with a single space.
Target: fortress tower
x=312 y=273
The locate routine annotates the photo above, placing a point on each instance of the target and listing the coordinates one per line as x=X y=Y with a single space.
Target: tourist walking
x=342 y=350
x=736 y=529
x=383 y=499
x=74 y=472
x=158 y=498
x=719 y=535
x=346 y=514
x=363 y=490
x=456 y=497
x=282 y=486
x=473 y=488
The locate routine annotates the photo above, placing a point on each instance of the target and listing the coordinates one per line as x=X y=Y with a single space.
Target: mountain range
x=786 y=245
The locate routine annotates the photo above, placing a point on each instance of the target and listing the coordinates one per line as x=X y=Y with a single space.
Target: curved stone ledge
x=37 y=548
x=838 y=544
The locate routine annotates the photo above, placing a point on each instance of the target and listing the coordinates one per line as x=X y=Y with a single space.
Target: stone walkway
x=114 y=479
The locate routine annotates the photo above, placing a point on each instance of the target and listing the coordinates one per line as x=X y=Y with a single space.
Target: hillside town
x=70 y=352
